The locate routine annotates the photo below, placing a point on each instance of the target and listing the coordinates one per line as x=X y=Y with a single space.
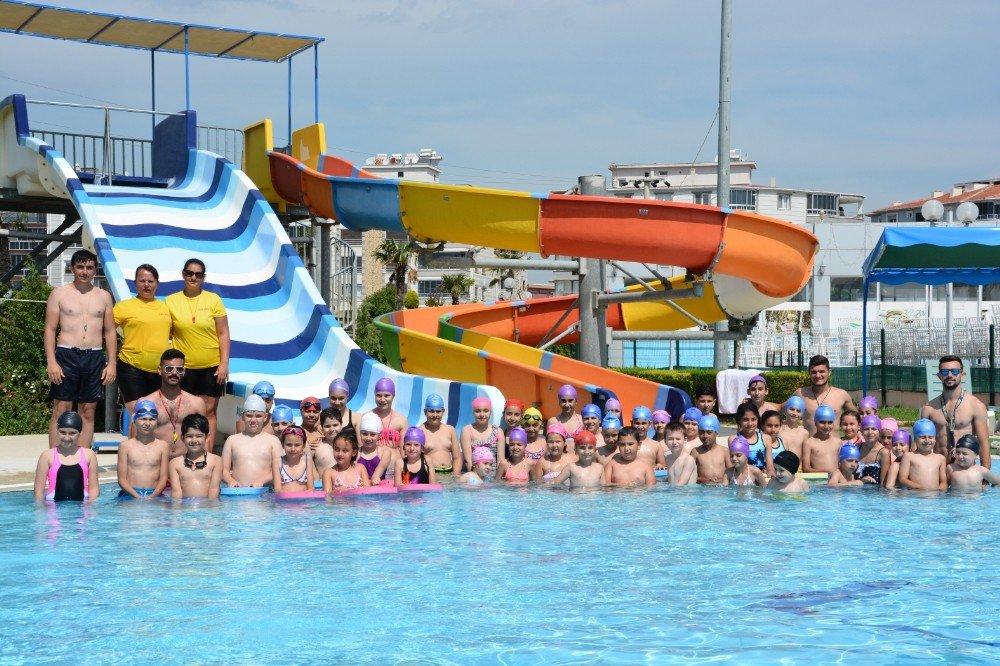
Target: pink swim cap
x=890 y=424
x=557 y=429
x=661 y=416
x=415 y=434
x=567 y=391
x=481 y=402
x=385 y=385
x=740 y=444
x=481 y=454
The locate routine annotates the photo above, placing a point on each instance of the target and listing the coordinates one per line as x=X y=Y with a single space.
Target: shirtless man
x=924 y=469
x=78 y=318
x=625 y=468
x=198 y=472
x=442 y=450
x=143 y=460
x=956 y=412
x=568 y=417
x=822 y=392
x=173 y=403
x=793 y=434
x=820 y=452
x=248 y=458
x=339 y=392
x=711 y=458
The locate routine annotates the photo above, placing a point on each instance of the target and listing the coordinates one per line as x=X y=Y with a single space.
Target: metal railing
x=224 y=141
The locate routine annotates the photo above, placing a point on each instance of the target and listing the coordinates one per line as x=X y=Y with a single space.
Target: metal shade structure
x=929 y=255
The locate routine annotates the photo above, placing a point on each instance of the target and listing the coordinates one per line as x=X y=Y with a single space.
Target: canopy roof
x=935 y=255
x=28 y=18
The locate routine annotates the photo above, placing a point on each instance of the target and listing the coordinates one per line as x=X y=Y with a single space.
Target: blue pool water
x=508 y=576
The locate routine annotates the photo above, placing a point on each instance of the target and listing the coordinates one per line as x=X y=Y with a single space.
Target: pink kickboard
x=300 y=495
x=420 y=488
x=369 y=491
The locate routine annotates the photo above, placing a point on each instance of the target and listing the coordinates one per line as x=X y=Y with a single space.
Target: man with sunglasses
x=172 y=402
x=956 y=412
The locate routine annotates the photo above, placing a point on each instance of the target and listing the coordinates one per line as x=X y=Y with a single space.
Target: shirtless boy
x=822 y=392
x=310 y=407
x=819 y=453
x=568 y=416
x=265 y=390
x=711 y=458
x=339 y=391
x=78 y=318
x=956 y=412
x=624 y=468
x=586 y=472
x=608 y=444
x=690 y=421
x=650 y=450
x=757 y=395
x=924 y=469
x=793 y=434
x=705 y=399
x=143 y=460
x=786 y=465
x=442 y=450
x=173 y=404
x=198 y=472
x=281 y=418
x=248 y=458
x=321 y=451
x=964 y=473
x=591 y=415
x=682 y=469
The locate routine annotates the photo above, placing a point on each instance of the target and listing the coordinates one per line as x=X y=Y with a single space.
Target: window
x=804 y=295
x=822 y=203
x=848 y=290
x=703 y=198
x=664 y=196
x=960 y=292
x=908 y=292
x=743 y=199
x=784 y=201
x=428 y=288
x=890 y=218
x=988 y=210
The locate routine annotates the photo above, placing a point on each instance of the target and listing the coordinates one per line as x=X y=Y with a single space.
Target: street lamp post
x=966 y=213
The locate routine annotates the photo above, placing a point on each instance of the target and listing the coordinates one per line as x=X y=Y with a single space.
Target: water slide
x=747 y=262
x=199 y=204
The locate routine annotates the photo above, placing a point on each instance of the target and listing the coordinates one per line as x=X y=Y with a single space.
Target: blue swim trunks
x=142 y=492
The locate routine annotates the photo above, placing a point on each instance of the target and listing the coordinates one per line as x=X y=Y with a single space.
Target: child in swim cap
x=482 y=462
x=555 y=458
x=67 y=473
x=889 y=428
x=786 y=466
x=143 y=460
x=512 y=411
x=793 y=433
x=711 y=458
x=586 y=472
x=294 y=470
x=742 y=473
x=819 y=453
x=516 y=468
x=612 y=406
x=198 y=473
x=964 y=473
x=442 y=450
x=641 y=419
x=847 y=467
x=282 y=416
x=321 y=450
x=346 y=473
x=608 y=444
x=682 y=470
x=924 y=469
x=874 y=462
x=379 y=461
x=531 y=423
x=568 y=416
x=899 y=447
x=339 y=392
x=690 y=422
x=394 y=424
x=481 y=432
x=592 y=416
x=659 y=435
x=868 y=406
x=414 y=468
x=248 y=457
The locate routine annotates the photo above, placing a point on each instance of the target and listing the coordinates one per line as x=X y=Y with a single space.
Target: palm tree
x=397 y=256
x=503 y=273
x=456 y=284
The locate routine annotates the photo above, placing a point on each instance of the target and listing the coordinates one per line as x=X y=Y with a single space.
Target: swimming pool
x=505 y=575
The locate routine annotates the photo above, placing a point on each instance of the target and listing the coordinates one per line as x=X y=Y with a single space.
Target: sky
x=888 y=99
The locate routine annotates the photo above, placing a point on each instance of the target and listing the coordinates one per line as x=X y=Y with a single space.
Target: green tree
x=23 y=382
x=433 y=302
x=397 y=256
x=456 y=284
x=411 y=300
x=367 y=336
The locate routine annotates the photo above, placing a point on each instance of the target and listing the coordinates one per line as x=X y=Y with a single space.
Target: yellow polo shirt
x=194 y=327
x=145 y=332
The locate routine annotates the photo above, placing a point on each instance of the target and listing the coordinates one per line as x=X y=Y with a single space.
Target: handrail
x=103 y=108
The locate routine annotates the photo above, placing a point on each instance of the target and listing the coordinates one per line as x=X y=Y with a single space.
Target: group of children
x=343 y=450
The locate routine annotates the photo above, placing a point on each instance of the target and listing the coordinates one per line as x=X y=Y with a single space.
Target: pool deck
x=19 y=455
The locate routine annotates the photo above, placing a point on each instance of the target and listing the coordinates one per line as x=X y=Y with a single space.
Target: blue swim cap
x=795 y=402
x=709 y=422
x=283 y=413
x=264 y=389
x=824 y=413
x=591 y=410
x=924 y=427
x=434 y=401
x=849 y=452
x=692 y=414
x=144 y=408
x=611 y=422
x=642 y=412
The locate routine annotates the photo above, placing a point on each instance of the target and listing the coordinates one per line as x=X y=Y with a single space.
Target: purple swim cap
x=871 y=421
x=868 y=402
x=385 y=385
x=755 y=379
x=567 y=391
x=661 y=416
x=415 y=434
x=740 y=444
x=517 y=434
x=612 y=403
x=901 y=436
x=339 y=384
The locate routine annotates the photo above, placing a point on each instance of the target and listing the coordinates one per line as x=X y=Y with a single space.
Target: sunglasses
x=955 y=372
x=178 y=369
x=194 y=274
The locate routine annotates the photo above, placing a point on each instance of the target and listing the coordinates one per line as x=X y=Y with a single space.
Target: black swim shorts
x=134 y=383
x=82 y=370
x=202 y=382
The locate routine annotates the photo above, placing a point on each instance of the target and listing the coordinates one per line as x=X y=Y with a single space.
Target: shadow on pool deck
x=19 y=456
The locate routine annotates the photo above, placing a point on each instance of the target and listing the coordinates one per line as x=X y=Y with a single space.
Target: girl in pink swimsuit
x=385 y=395
x=481 y=433
x=549 y=467
x=531 y=422
x=516 y=467
x=67 y=472
x=346 y=473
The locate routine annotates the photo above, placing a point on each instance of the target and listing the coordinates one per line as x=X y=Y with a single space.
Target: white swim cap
x=370 y=422
x=254 y=403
